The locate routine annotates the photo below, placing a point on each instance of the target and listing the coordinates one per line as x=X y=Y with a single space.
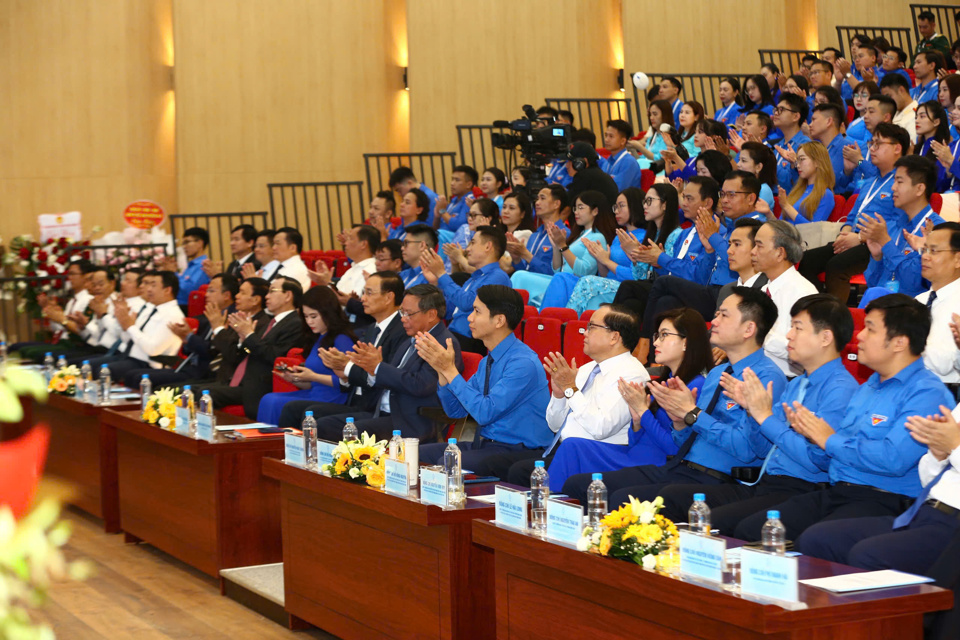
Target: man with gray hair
x=776 y=249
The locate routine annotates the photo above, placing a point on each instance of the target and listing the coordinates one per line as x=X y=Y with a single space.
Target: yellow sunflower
x=151 y=416
x=619 y=518
x=605 y=543
x=342 y=463
x=365 y=453
x=376 y=477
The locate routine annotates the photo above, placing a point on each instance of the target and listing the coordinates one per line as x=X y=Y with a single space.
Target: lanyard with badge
x=686 y=243
x=723 y=113
x=872 y=193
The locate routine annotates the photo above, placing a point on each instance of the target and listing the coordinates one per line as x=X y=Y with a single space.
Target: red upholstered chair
x=647 y=178
x=196 y=302
x=310 y=257
x=524 y=295
x=777 y=211
x=847 y=208
x=849 y=353
x=471 y=362
x=586 y=315
x=560 y=313
x=193 y=323
x=342 y=264
x=543 y=335
x=293 y=358
x=839 y=204
x=936 y=202
x=573 y=333
x=21 y=464
x=529 y=311
x=235 y=410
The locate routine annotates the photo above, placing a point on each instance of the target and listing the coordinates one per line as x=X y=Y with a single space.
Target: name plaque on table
x=511 y=508
x=325 y=452
x=293 y=450
x=769 y=575
x=433 y=487
x=205 y=426
x=395 y=473
x=181 y=420
x=702 y=556
x=564 y=521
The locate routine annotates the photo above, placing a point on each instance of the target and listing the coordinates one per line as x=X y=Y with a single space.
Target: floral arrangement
x=64 y=381
x=161 y=408
x=635 y=532
x=29 y=258
x=360 y=460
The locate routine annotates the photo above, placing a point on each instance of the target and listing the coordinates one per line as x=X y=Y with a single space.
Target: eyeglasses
x=624 y=205
x=404 y=314
x=370 y=292
x=875 y=144
x=782 y=109
x=408 y=243
x=730 y=194
x=925 y=250
x=662 y=335
x=474 y=216
x=649 y=201
x=593 y=325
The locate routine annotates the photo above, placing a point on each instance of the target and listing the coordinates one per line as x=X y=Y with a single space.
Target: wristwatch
x=692 y=416
x=568 y=393
x=563 y=248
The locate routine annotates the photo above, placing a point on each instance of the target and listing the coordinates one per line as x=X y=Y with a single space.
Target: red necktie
x=242 y=367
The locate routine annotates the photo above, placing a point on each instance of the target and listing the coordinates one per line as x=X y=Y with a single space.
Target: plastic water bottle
x=396 y=446
x=105 y=383
x=309 y=428
x=187 y=401
x=596 y=501
x=454 y=472
x=85 y=384
x=48 y=369
x=350 y=431
x=539 y=492
x=146 y=390
x=61 y=361
x=699 y=515
x=205 y=407
x=774 y=534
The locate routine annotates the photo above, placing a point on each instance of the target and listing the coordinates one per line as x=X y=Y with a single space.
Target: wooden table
x=541 y=586
x=205 y=503
x=82 y=454
x=360 y=563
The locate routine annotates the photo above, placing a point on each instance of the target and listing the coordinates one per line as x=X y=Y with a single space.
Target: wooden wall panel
x=283 y=91
x=476 y=62
x=87 y=111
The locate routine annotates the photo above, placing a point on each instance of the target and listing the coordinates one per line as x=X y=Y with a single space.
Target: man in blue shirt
x=621 y=166
x=857 y=167
x=483 y=254
x=869 y=455
x=825 y=126
x=865 y=69
x=450 y=216
x=670 y=90
x=892 y=61
x=194 y=244
x=926 y=67
x=402 y=180
x=419 y=238
x=536 y=255
x=791 y=111
x=507 y=396
x=847 y=255
x=709 y=429
x=821 y=327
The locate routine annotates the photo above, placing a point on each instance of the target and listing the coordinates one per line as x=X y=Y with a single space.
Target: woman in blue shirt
x=491 y=183
x=729 y=94
x=682 y=345
x=414 y=208
x=932 y=124
x=756 y=158
x=691 y=114
x=811 y=199
x=659 y=113
x=947 y=94
x=757 y=95
x=858 y=129
x=322 y=316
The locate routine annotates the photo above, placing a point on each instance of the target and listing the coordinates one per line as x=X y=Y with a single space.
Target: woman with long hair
x=757 y=96
x=932 y=124
x=492 y=182
x=691 y=114
x=414 y=209
x=811 y=199
x=706 y=130
x=756 y=158
x=682 y=346
x=324 y=318
x=659 y=113
x=729 y=94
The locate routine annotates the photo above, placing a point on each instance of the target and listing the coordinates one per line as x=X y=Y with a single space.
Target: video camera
x=539 y=143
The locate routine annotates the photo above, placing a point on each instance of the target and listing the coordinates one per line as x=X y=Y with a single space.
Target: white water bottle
x=539 y=492
x=105 y=384
x=48 y=369
x=596 y=501
x=396 y=446
x=146 y=390
x=699 y=515
x=61 y=361
x=350 y=431
x=309 y=429
x=205 y=407
x=85 y=383
x=773 y=536
x=454 y=473
x=187 y=401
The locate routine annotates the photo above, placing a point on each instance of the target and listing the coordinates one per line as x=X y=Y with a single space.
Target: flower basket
x=161 y=408
x=360 y=460
x=635 y=532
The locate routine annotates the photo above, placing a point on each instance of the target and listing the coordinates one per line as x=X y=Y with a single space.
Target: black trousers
x=837 y=268
x=224 y=395
x=166 y=377
x=671 y=292
x=291 y=416
x=633 y=294
x=833 y=503
x=514 y=467
x=643 y=483
x=730 y=503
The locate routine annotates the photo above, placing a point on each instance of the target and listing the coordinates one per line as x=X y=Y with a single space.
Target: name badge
x=205 y=426
x=293 y=450
x=511 y=508
x=768 y=575
x=396 y=478
x=564 y=521
x=433 y=487
x=325 y=452
x=181 y=420
x=702 y=556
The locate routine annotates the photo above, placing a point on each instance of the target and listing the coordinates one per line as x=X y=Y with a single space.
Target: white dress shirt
x=95 y=333
x=382 y=325
x=352 y=280
x=941 y=354
x=112 y=329
x=908 y=119
x=789 y=287
x=599 y=413
x=293 y=267
x=77 y=304
x=948 y=489
x=266 y=271
x=151 y=336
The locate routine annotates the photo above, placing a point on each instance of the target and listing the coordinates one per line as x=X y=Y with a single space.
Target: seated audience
x=932 y=125
x=811 y=199
x=492 y=182
x=757 y=158
x=535 y=253
x=360 y=244
x=620 y=165
x=941 y=267
x=402 y=180
x=857 y=129
x=389 y=256
x=926 y=67
x=756 y=95
x=287 y=245
x=450 y=214
x=789 y=114
x=419 y=238
x=653 y=143
x=263 y=253
x=484 y=212
x=730 y=99
x=380 y=214
x=587 y=175
x=242 y=239
x=194 y=243
x=670 y=90
x=897 y=87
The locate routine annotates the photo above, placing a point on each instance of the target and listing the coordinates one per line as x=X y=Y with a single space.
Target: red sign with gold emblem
x=143 y=214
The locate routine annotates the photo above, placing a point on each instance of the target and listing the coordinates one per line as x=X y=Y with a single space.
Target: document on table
x=866 y=581
x=242 y=427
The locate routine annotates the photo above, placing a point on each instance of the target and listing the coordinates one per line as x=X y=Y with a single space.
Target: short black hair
x=502 y=300
x=920 y=170
x=832 y=95
x=624 y=321
x=229 y=283
x=935 y=58
x=927 y=15
x=422 y=203
x=708 y=187
x=885 y=101
x=111 y=277
x=901 y=54
x=904 y=316
x=748 y=181
x=752 y=223
x=85 y=265
x=469 y=171
x=834 y=50
x=832 y=111
x=584 y=135
x=796 y=103
x=259 y=287
x=266 y=233
x=422 y=230
x=827 y=312
x=394 y=246
x=248 y=231
x=367 y=233
x=954 y=229
x=894 y=133
x=168 y=279
x=624 y=127
x=293 y=236
x=200 y=234
x=430 y=297
x=674 y=81
x=390 y=282
x=895 y=80
x=765 y=120
x=400 y=174
x=756 y=307
x=812 y=57
x=567 y=115
x=388 y=197
x=293 y=286
x=547 y=110
x=496 y=236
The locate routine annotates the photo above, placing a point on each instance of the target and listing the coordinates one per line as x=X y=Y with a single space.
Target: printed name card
x=325 y=452
x=768 y=575
x=396 y=478
x=293 y=450
x=433 y=487
x=702 y=556
x=181 y=420
x=205 y=426
x=511 y=508
x=564 y=521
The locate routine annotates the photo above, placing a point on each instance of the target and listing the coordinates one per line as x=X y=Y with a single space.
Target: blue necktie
x=907 y=516
x=586 y=385
x=801 y=394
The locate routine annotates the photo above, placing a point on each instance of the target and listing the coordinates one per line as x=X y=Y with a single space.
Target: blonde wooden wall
x=87 y=109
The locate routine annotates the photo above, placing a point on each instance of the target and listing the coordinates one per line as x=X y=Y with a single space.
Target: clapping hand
x=212 y=267
x=942 y=152
x=334 y=359
x=366 y=356
x=432 y=265
x=628 y=241
x=674 y=397
x=442 y=359
x=242 y=323
x=597 y=250
x=809 y=425
x=940 y=433
x=649 y=252
x=873 y=227
x=562 y=376
x=248 y=270
x=707 y=225
x=180 y=329
x=322 y=274
x=637 y=400
x=215 y=315
x=788 y=154
x=557 y=237
x=754 y=397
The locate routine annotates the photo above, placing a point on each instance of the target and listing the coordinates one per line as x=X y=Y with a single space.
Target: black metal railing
x=593 y=113
x=432 y=169
x=896 y=36
x=19 y=317
x=944 y=15
x=477 y=150
x=218 y=225
x=702 y=87
x=319 y=210
x=787 y=60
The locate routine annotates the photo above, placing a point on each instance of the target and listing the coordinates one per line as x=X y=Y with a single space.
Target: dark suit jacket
x=226 y=344
x=234 y=267
x=727 y=288
x=263 y=349
x=413 y=385
x=200 y=343
x=394 y=338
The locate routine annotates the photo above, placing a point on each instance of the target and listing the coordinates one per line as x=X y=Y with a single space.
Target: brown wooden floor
x=140 y=592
